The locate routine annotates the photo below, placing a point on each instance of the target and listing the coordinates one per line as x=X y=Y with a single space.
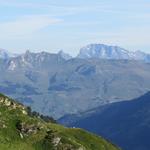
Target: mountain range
x=56 y=84
x=125 y=123
x=96 y=90
x=100 y=51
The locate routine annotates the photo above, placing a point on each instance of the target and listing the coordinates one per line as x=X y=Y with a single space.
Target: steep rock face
x=19 y=131
x=126 y=123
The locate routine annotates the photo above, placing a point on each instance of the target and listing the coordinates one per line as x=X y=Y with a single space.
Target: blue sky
x=64 y=24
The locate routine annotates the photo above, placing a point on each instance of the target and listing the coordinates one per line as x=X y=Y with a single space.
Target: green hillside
x=20 y=130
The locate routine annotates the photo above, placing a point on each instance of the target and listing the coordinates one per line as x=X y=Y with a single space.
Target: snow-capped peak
x=102 y=51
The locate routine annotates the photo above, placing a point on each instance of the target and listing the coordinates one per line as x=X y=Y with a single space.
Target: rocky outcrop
x=26 y=129
x=12 y=105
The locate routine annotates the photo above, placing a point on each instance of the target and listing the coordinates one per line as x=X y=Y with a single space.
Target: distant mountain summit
x=111 y=52
x=34 y=60
x=4 y=54
x=64 y=55
x=32 y=56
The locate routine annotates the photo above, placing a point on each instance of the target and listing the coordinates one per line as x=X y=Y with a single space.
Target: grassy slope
x=10 y=138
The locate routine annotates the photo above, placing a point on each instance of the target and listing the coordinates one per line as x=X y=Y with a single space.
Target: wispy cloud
x=26 y=25
x=83 y=21
x=54 y=9
x=31 y=5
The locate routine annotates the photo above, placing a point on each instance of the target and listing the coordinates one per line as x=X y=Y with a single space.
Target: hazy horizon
x=55 y=51
x=69 y=25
